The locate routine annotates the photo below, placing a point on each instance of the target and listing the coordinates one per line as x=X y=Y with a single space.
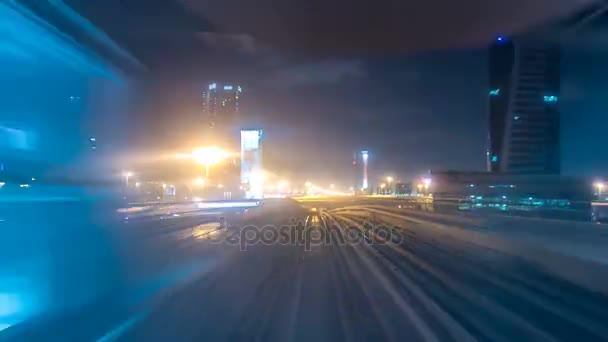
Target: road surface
x=271 y=275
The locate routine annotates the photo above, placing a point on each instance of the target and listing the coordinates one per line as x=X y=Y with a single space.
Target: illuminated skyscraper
x=524 y=120
x=364 y=163
x=220 y=104
x=252 y=177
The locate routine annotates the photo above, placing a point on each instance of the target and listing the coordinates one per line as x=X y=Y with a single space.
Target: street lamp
x=208 y=156
x=427 y=184
x=600 y=188
x=127 y=174
x=382 y=186
x=389 y=180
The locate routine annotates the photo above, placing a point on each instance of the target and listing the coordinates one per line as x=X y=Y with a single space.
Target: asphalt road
x=272 y=275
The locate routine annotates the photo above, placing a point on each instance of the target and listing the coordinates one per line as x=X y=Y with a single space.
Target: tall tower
x=365 y=161
x=220 y=104
x=524 y=118
x=252 y=177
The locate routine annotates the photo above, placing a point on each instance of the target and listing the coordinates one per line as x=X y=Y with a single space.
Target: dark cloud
x=325 y=72
x=340 y=27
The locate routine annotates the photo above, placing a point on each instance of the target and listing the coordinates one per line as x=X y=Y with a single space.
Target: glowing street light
x=127 y=174
x=200 y=181
x=427 y=183
x=308 y=184
x=209 y=156
x=600 y=187
x=390 y=188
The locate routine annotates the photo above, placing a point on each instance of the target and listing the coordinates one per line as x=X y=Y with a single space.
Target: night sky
x=404 y=81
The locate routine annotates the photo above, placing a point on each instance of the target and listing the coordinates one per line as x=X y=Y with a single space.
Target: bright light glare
x=199 y=181
x=389 y=179
x=127 y=173
x=209 y=155
x=308 y=184
x=599 y=185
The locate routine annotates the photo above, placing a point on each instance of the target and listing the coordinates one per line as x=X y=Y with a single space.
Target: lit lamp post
x=383 y=186
x=127 y=174
x=389 y=180
x=427 y=184
x=208 y=156
x=600 y=188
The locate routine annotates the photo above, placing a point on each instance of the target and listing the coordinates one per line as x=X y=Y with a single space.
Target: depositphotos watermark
x=309 y=236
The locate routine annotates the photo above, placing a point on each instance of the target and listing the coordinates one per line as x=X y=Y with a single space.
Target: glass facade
x=524 y=117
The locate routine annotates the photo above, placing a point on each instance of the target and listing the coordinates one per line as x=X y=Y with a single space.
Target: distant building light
x=494 y=92
x=239 y=89
x=472 y=185
x=228 y=87
x=516 y=117
x=92 y=139
x=500 y=39
x=550 y=98
x=24 y=185
x=212 y=86
x=494 y=159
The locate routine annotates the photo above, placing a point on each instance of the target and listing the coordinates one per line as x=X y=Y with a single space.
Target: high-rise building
x=220 y=104
x=524 y=132
x=364 y=165
x=252 y=177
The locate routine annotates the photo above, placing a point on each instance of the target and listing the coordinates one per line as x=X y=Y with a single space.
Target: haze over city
x=231 y=170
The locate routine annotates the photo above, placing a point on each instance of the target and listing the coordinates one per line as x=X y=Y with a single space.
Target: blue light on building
x=494 y=92
x=212 y=86
x=550 y=98
x=494 y=159
x=228 y=87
